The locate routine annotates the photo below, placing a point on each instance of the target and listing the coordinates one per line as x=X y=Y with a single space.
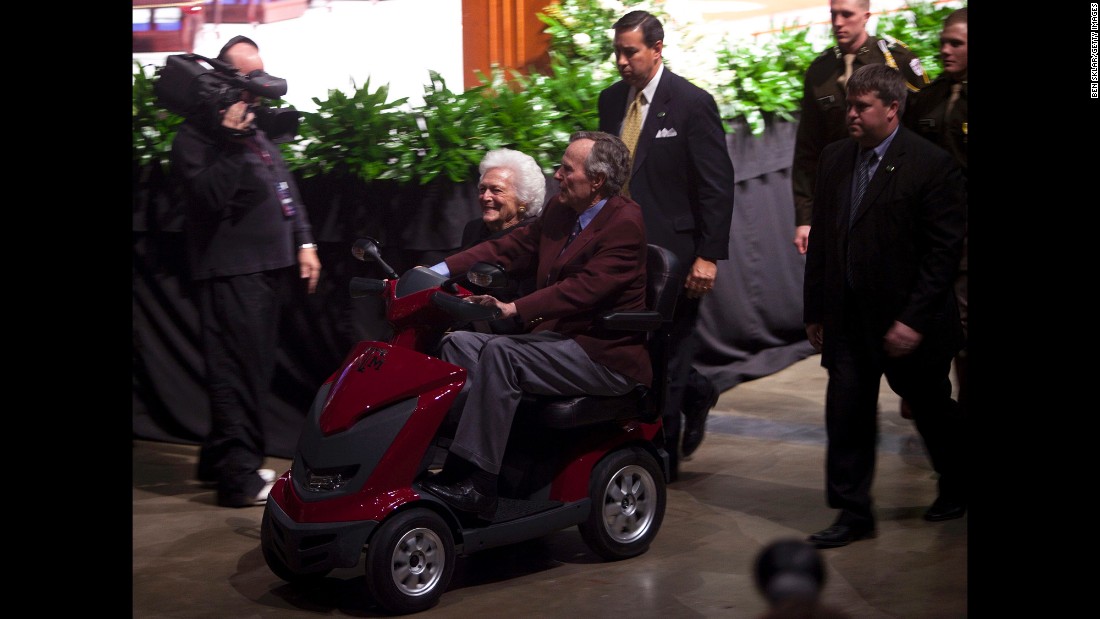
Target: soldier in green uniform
x=938 y=113
x=823 y=104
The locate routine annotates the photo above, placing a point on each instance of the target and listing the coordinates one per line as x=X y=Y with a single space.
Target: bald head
x=245 y=56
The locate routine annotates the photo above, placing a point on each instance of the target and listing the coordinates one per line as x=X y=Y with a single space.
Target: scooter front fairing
x=367 y=434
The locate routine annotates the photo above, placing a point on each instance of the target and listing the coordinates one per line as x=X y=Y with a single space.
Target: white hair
x=529 y=180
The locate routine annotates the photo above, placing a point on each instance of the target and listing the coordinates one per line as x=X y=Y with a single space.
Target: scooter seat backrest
x=663 y=280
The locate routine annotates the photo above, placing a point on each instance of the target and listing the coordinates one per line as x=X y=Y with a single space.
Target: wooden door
x=506 y=33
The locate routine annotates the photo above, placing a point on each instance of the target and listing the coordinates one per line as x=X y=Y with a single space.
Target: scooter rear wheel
x=410 y=560
x=628 y=504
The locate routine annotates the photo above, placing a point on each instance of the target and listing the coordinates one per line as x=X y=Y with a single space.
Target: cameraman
x=248 y=236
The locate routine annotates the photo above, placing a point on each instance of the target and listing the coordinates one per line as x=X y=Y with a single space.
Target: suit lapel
x=654 y=118
x=579 y=242
x=555 y=249
x=883 y=174
x=591 y=231
x=617 y=104
x=847 y=168
x=561 y=258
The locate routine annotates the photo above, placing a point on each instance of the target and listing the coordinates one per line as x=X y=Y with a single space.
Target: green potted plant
x=765 y=79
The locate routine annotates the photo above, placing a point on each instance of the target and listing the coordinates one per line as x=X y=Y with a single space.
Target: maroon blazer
x=602 y=270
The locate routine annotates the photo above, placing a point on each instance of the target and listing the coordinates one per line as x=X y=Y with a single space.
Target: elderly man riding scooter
x=589 y=250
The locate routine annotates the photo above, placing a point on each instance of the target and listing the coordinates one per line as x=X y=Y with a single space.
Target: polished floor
x=758 y=477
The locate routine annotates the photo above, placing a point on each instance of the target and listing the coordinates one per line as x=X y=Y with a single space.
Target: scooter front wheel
x=410 y=560
x=628 y=504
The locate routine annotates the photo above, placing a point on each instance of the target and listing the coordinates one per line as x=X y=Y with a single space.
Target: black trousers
x=851 y=414
x=240 y=325
x=683 y=345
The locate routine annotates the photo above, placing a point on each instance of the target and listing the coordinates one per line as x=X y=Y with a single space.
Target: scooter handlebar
x=360 y=287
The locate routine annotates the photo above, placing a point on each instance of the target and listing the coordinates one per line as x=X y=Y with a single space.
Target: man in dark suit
x=682 y=177
x=590 y=249
x=888 y=227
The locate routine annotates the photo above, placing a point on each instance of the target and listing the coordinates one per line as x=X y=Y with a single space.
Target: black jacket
x=904 y=244
x=229 y=192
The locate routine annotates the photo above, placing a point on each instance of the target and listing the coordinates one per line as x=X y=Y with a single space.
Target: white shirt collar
x=649 y=89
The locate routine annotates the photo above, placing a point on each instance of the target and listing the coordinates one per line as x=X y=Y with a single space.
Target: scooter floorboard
x=512 y=509
x=517 y=520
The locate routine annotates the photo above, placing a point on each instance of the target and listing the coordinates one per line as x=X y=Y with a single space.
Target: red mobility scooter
x=382 y=421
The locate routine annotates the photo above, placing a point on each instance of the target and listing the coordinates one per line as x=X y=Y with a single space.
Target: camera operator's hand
x=238 y=117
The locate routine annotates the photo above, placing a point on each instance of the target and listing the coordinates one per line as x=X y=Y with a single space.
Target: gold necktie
x=956 y=89
x=632 y=127
x=843 y=79
x=632 y=124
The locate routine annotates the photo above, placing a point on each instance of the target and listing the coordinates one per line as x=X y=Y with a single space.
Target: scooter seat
x=579 y=411
x=663 y=283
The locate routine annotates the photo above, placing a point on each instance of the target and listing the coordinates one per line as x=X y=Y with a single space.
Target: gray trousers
x=501 y=368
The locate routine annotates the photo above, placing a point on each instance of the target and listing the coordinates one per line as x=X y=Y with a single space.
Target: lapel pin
x=660 y=114
x=889 y=168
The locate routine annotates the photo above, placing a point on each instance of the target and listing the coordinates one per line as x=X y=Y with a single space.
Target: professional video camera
x=200 y=89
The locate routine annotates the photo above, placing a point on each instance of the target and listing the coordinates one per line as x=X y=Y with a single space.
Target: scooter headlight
x=328 y=480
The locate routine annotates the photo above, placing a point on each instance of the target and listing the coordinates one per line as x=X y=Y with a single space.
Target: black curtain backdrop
x=751 y=324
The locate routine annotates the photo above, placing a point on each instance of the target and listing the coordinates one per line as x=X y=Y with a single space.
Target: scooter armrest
x=632 y=321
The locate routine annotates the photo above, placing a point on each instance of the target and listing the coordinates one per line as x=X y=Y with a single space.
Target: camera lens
x=280 y=125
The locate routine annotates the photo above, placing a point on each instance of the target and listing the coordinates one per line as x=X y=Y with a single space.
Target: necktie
x=843 y=79
x=632 y=127
x=632 y=124
x=863 y=169
x=572 y=235
x=956 y=89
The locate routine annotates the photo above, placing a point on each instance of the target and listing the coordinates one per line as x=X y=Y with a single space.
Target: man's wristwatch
x=308 y=246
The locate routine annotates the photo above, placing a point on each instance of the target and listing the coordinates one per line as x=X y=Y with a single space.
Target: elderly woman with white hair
x=511 y=191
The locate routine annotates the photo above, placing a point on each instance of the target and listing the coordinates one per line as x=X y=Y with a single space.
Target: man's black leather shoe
x=695 y=418
x=464 y=496
x=840 y=535
x=944 y=509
